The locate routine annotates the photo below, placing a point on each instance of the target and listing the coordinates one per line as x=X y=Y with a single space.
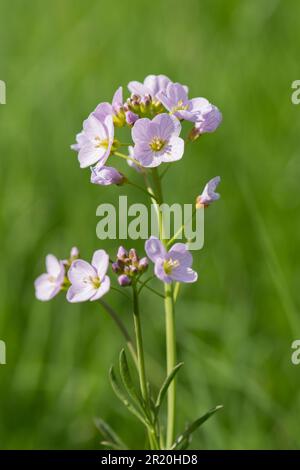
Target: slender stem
x=141 y=366
x=122 y=328
x=140 y=188
x=168 y=166
x=176 y=291
x=139 y=346
x=180 y=230
x=171 y=362
x=144 y=284
x=170 y=328
x=126 y=157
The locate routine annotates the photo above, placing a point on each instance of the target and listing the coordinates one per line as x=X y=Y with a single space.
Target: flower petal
x=80 y=271
x=103 y=289
x=155 y=249
x=80 y=293
x=54 y=266
x=184 y=275
x=175 y=150
x=141 y=131
x=166 y=125
x=89 y=154
x=160 y=272
x=182 y=254
x=100 y=262
x=45 y=289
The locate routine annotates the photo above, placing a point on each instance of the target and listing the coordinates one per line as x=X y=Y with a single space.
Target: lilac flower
x=50 y=283
x=153 y=84
x=175 y=99
x=95 y=141
x=172 y=265
x=106 y=175
x=89 y=281
x=209 y=119
x=208 y=195
x=157 y=141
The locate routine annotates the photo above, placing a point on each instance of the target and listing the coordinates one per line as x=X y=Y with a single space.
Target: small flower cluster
x=153 y=112
x=128 y=266
x=89 y=281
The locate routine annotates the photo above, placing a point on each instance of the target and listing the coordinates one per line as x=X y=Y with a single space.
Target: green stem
x=126 y=157
x=141 y=367
x=140 y=188
x=171 y=362
x=170 y=327
x=139 y=346
x=122 y=328
x=144 y=284
x=180 y=230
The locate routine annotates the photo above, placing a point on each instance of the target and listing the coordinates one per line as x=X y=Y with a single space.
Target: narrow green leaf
x=127 y=380
x=108 y=433
x=165 y=386
x=119 y=393
x=192 y=427
x=111 y=445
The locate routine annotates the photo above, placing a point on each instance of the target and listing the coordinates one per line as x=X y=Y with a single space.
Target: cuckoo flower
x=209 y=119
x=153 y=84
x=50 y=283
x=89 y=281
x=106 y=176
x=208 y=195
x=175 y=99
x=172 y=265
x=95 y=141
x=157 y=141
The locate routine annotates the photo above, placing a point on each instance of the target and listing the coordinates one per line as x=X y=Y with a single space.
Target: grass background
x=236 y=326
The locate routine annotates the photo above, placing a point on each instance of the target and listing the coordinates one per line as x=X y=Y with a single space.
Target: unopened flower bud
x=116 y=267
x=133 y=254
x=131 y=117
x=122 y=253
x=74 y=252
x=124 y=280
x=106 y=176
x=143 y=264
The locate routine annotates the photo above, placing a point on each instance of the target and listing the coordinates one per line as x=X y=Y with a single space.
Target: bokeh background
x=236 y=326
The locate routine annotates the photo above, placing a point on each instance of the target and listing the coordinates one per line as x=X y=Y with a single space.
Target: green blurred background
x=235 y=326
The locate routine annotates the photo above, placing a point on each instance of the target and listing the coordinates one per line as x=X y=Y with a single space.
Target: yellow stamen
x=169 y=265
x=157 y=144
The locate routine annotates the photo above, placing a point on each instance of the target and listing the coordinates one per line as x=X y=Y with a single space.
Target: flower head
x=89 y=281
x=208 y=195
x=153 y=84
x=158 y=140
x=209 y=120
x=175 y=99
x=94 y=143
x=128 y=265
x=49 y=284
x=106 y=175
x=172 y=265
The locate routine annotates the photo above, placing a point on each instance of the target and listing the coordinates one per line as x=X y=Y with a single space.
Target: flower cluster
x=153 y=113
x=129 y=266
